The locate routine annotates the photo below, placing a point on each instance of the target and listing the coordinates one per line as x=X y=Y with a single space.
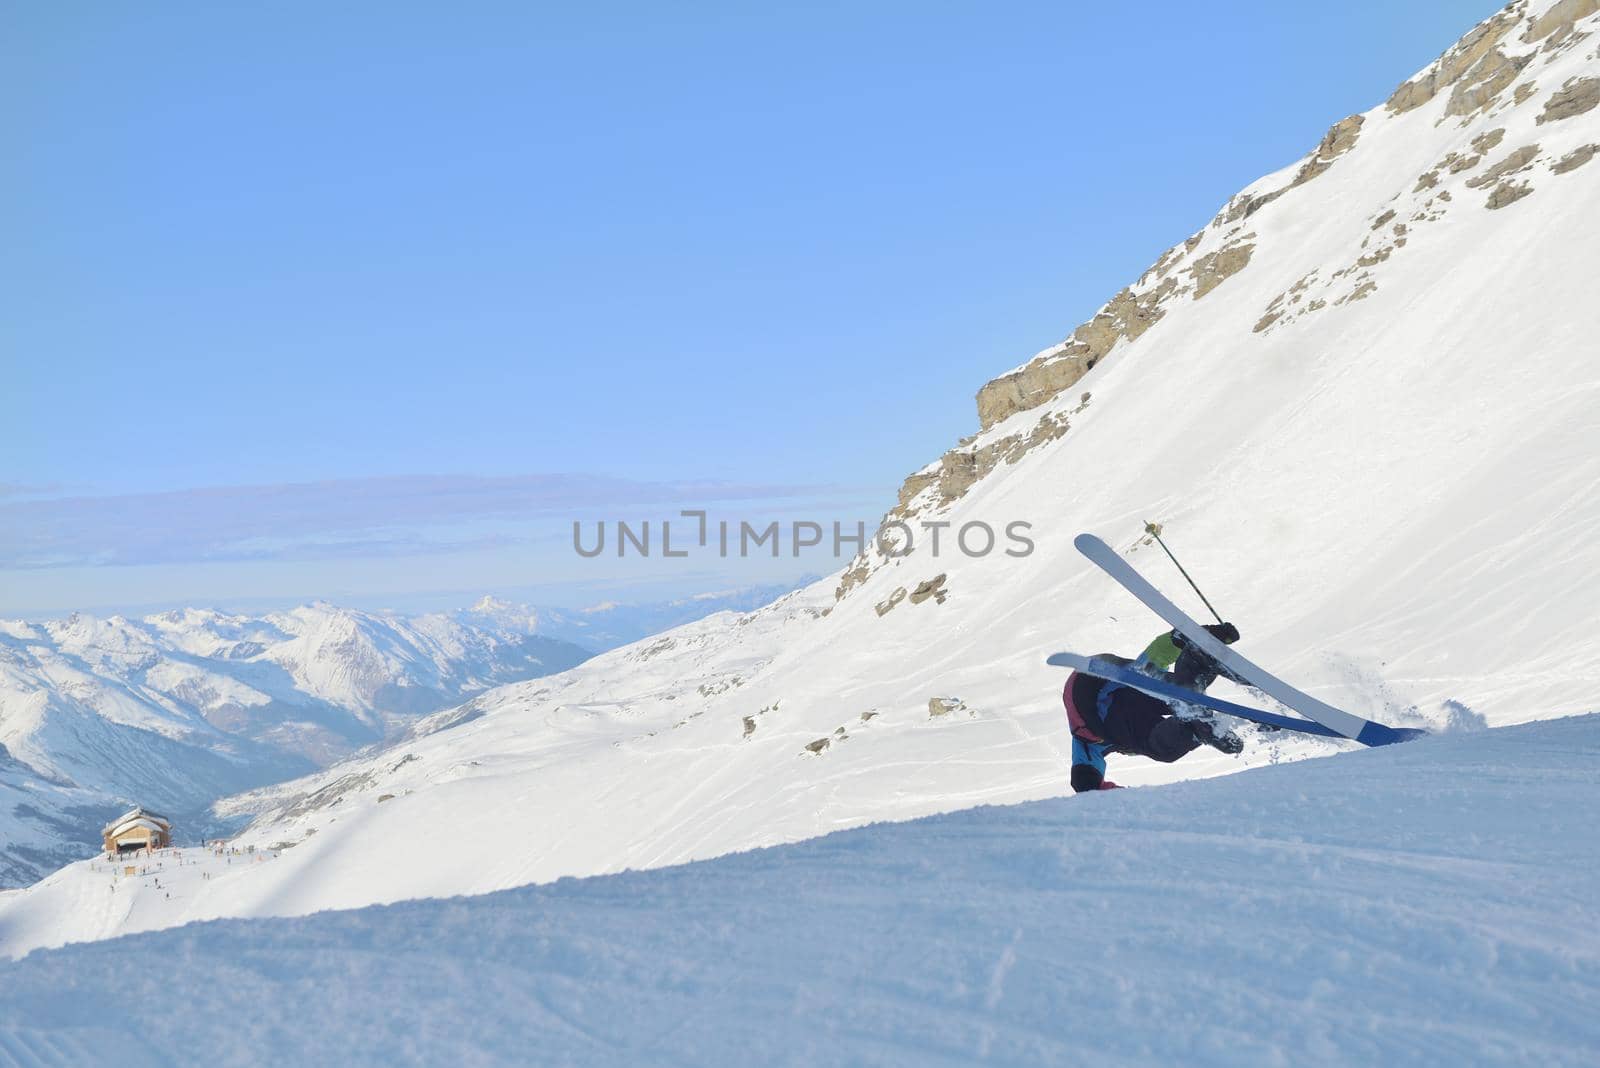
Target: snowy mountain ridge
x=1361 y=401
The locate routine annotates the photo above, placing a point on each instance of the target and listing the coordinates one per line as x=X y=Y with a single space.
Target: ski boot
x=1225 y=741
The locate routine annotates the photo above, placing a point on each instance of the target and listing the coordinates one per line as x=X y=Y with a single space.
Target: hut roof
x=138 y=817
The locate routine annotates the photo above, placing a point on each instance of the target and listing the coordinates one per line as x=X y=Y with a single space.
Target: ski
x=1341 y=722
x=1133 y=679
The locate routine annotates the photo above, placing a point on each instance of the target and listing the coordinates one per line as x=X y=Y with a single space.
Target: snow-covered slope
x=1362 y=401
x=1428 y=904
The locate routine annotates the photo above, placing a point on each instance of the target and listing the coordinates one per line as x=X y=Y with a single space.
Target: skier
x=1109 y=717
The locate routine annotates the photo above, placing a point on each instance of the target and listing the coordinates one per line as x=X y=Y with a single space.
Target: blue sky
x=422 y=252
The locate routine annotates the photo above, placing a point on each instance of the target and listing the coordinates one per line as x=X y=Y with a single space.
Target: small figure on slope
x=1109 y=717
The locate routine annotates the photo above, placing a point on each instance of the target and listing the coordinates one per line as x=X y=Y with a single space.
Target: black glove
x=1226 y=633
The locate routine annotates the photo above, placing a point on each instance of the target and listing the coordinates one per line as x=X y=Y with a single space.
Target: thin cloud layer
x=23 y=489
x=321 y=520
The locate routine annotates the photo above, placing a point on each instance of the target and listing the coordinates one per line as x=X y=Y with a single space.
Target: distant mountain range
x=179 y=708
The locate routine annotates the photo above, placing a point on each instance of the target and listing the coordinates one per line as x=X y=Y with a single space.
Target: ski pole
x=1154 y=530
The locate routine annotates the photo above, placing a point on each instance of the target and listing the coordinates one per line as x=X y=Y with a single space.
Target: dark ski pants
x=1144 y=725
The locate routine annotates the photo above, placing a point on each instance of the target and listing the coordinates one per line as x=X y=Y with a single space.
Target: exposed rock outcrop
x=1507 y=193
x=1008 y=449
x=885 y=606
x=1214 y=268
x=1284 y=303
x=1516 y=161
x=1486 y=143
x=853 y=576
x=1340 y=138
x=1576 y=97
x=1575 y=159
x=1360 y=292
x=1463 y=59
x=1125 y=316
x=1556 y=23
x=1024 y=388
x=1484 y=81
x=1477 y=70
x=933 y=587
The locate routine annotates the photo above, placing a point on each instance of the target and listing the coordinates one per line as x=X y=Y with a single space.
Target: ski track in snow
x=1430 y=903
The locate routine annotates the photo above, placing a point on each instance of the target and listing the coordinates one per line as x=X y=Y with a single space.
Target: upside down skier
x=1109 y=717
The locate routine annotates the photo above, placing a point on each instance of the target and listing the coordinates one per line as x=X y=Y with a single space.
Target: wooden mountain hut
x=137 y=829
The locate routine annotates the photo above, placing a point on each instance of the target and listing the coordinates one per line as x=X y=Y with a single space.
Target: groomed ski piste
x=1427 y=903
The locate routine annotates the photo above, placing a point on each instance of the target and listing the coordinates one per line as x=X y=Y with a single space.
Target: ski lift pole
x=1154 y=530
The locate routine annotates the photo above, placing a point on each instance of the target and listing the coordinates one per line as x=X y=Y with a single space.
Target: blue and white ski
x=1343 y=723
x=1126 y=677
